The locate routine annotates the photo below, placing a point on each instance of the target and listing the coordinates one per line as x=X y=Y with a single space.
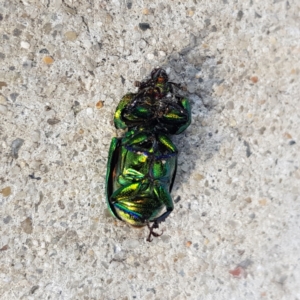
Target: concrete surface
x=234 y=233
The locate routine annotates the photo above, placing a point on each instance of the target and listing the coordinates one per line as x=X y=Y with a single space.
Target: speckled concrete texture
x=234 y=234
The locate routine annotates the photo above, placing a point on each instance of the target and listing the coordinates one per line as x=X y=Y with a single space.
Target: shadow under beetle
x=141 y=166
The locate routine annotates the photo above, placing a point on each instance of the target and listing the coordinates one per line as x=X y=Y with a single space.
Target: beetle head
x=159 y=75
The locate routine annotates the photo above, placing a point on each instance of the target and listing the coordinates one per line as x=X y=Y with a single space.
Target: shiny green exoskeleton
x=142 y=165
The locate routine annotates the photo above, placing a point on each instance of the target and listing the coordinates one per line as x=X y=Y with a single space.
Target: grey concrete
x=234 y=233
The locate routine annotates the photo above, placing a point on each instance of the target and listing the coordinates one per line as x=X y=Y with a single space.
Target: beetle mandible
x=141 y=166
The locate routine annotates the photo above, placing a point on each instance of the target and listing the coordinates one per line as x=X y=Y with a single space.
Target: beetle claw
x=137 y=83
x=152 y=233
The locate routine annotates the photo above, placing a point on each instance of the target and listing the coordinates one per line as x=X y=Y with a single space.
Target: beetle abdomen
x=141 y=182
x=137 y=211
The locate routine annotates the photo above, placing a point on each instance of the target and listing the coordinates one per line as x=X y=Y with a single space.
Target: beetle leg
x=126 y=192
x=164 y=196
x=175 y=114
x=135 y=139
x=151 y=232
x=118 y=118
x=167 y=143
x=185 y=103
x=141 y=141
x=111 y=173
x=163 y=217
x=137 y=84
x=179 y=86
x=145 y=84
x=138 y=111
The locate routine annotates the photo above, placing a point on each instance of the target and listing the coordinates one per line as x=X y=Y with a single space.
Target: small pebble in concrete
x=6 y=191
x=27 y=225
x=48 y=60
x=15 y=147
x=254 y=79
x=144 y=26
x=99 y=104
x=71 y=36
x=53 y=121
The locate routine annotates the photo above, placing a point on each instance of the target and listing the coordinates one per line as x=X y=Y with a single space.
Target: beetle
x=142 y=164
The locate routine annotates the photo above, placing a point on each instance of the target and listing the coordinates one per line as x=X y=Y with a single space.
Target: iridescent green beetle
x=142 y=165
